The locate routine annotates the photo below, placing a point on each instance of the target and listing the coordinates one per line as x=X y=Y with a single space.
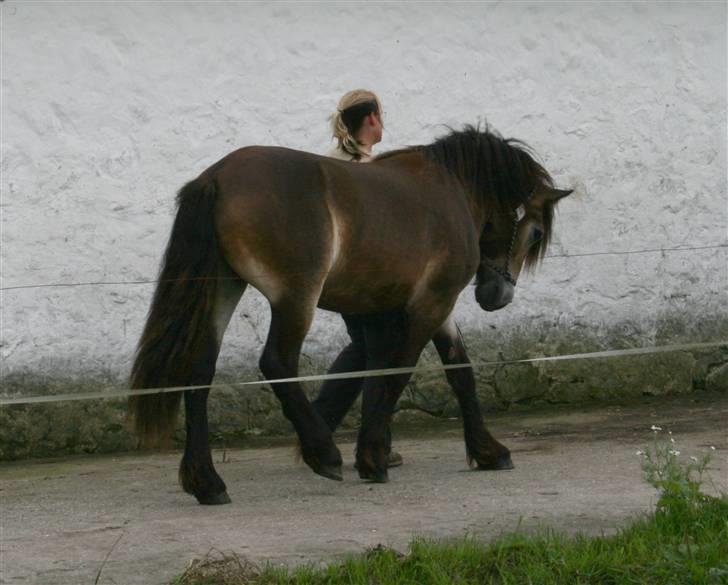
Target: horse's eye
x=488 y=228
x=536 y=235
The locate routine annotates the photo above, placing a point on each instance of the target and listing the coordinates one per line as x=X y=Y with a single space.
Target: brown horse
x=400 y=237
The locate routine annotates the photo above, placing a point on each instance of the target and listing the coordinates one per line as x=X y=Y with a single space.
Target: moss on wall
x=100 y=426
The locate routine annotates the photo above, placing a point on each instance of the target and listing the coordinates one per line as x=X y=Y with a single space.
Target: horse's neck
x=416 y=163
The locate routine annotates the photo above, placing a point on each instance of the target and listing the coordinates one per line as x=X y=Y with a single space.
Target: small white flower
x=672 y=440
x=639 y=453
x=712 y=448
x=674 y=452
x=693 y=458
x=655 y=428
x=669 y=432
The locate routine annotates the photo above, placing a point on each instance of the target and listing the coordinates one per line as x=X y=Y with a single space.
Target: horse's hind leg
x=290 y=320
x=480 y=446
x=197 y=473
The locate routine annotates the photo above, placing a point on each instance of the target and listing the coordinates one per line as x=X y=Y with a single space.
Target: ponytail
x=346 y=141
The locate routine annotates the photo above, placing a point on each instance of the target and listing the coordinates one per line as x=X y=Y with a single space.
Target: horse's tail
x=180 y=329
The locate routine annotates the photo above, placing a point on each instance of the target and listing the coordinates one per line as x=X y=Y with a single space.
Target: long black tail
x=180 y=328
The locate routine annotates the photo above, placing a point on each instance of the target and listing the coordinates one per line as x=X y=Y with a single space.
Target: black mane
x=501 y=171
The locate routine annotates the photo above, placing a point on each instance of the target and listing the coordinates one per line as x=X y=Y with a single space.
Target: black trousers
x=373 y=338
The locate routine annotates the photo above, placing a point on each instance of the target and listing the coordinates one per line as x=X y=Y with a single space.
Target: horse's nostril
x=494 y=294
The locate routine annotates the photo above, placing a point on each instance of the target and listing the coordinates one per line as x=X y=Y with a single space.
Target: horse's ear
x=558 y=194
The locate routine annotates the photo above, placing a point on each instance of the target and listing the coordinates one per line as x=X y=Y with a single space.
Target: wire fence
x=128 y=392
x=157 y=281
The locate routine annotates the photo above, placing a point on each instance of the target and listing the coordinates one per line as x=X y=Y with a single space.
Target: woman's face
x=377 y=127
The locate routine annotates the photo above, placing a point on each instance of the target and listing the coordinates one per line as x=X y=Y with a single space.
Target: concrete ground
x=123 y=520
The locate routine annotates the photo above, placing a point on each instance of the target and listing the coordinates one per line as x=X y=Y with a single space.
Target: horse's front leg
x=290 y=321
x=481 y=448
x=391 y=342
x=374 y=442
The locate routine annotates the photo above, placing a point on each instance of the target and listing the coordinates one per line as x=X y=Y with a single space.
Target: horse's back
x=363 y=234
x=271 y=217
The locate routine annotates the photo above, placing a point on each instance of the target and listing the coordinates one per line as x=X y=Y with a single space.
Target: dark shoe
x=394 y=459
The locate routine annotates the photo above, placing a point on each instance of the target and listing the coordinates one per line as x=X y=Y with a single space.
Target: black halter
x=505 y=272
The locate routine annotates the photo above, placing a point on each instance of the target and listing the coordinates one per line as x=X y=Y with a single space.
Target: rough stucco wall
x=108 y=109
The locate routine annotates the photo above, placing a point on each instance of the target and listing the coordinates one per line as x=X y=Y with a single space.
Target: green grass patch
x=684 y=541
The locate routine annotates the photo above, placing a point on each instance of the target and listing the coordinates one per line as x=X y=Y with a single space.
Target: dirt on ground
x=123 y=520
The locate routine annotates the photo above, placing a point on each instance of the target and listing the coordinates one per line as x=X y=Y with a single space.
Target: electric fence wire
x=157 y=281
x=128 y=392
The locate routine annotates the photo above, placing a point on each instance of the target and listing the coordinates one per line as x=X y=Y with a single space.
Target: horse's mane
x=501 y=171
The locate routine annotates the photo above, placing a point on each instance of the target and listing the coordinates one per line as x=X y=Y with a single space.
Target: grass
x=684 y=541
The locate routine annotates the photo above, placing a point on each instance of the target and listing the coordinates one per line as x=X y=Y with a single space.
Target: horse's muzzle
x=493 y=292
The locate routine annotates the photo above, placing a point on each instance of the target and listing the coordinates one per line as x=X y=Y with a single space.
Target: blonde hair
x=343 y=126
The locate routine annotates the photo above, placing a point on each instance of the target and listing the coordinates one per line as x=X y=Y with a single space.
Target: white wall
x=108 y=108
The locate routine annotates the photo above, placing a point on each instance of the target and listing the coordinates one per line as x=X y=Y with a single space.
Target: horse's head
x=512 y=239
x=514 y=196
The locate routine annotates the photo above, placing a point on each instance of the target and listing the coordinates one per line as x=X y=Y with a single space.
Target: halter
x=505 y=272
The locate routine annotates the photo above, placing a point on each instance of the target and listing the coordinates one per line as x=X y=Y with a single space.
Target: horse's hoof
x=374 y=476
x=330 y=472
x=214 y=500
x=502 y=463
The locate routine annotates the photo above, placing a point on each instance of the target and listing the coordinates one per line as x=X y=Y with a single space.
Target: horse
x=401 y=236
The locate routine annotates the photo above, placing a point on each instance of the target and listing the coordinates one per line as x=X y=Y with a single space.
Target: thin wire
x=125 y=393
x=645 y=251
x=157 y=281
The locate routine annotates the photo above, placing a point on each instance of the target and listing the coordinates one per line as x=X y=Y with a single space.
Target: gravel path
x=576 y=470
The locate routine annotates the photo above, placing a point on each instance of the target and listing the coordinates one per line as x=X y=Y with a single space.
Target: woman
x=357 y=127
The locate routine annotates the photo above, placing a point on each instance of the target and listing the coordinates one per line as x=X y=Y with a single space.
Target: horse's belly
x=361 y=296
